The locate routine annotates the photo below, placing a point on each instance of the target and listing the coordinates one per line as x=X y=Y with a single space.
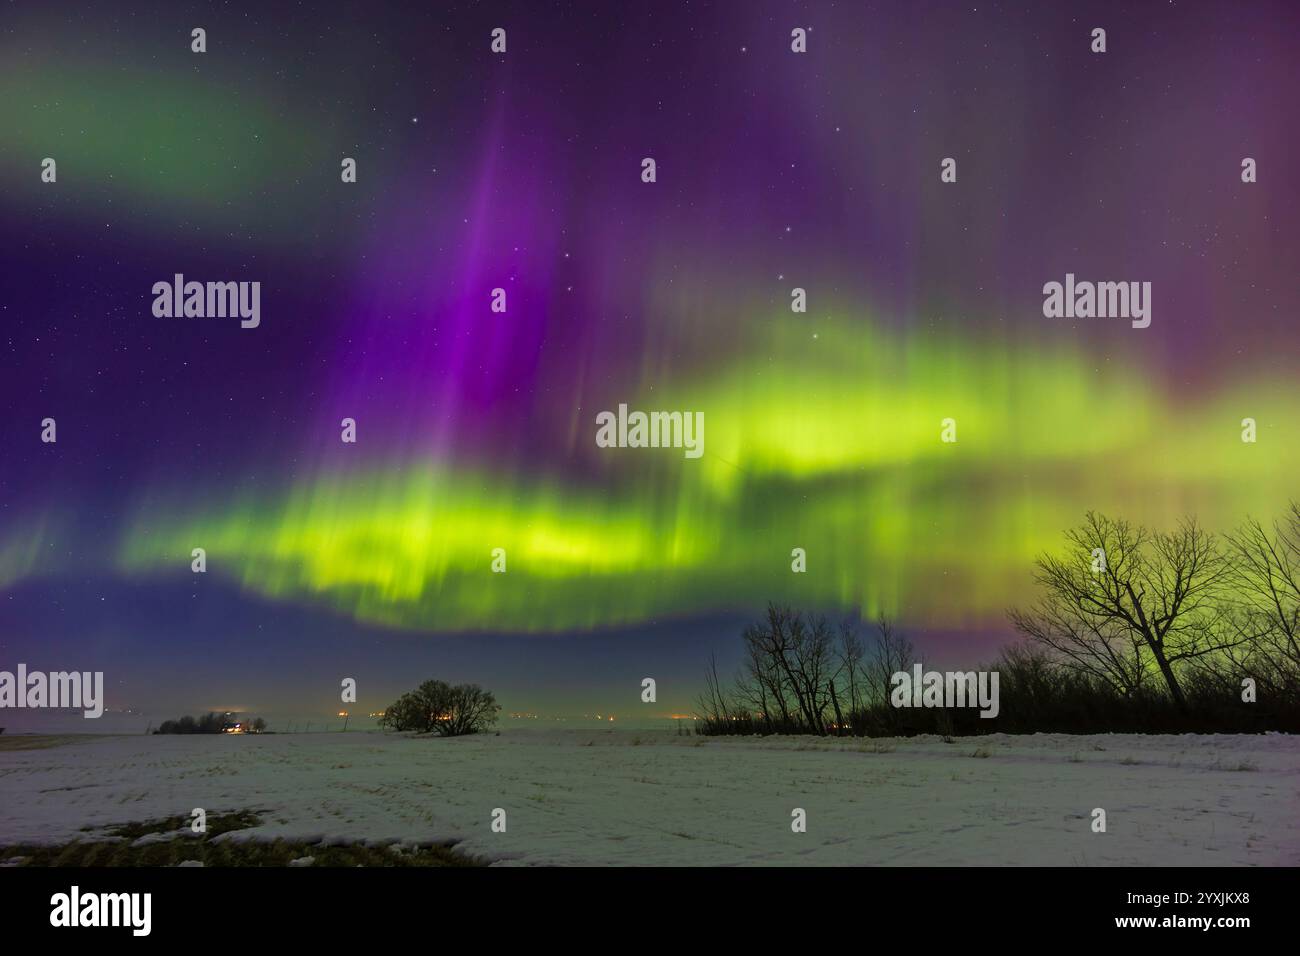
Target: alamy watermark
x=208 y=300
x=1102 y=300
x=75 y=908
x=651 y=430
x=57 y=689
x=946 y=689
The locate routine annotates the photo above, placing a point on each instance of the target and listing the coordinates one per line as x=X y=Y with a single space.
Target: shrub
x=436 y=707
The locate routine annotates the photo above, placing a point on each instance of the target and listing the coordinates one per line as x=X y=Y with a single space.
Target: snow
x=654 y=798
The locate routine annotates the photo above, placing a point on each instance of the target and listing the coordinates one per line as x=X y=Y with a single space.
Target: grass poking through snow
x=118 y=846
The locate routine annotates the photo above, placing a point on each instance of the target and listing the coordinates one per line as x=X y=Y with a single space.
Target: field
x=636 y=798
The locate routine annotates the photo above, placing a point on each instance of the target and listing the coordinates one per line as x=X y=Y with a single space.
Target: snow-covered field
x=627 y=797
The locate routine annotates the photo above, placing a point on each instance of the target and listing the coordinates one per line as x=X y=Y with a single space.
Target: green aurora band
x=828 y=443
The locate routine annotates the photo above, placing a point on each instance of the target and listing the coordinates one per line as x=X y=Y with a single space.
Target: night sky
x=476 y=429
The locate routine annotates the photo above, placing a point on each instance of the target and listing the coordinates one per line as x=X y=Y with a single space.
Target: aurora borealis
x=476 y=430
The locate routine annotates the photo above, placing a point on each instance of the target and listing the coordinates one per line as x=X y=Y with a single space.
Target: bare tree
x=893 y=653
x=1098 y=645
x=777 y=644
x=1265 y=574
x=847 y=654
x=788 y=672
x=1123 y=599
x=811 y=661
x=712 y=703
x=761 y=684
x=850 y=654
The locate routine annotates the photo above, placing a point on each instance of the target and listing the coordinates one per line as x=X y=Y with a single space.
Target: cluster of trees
x=1131 y=607
x=801 y=674
x=1133 y=630
x=436 y=707
x=208 y=723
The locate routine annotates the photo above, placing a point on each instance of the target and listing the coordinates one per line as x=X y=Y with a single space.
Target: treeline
x=208 y=723
x=1133 y=631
